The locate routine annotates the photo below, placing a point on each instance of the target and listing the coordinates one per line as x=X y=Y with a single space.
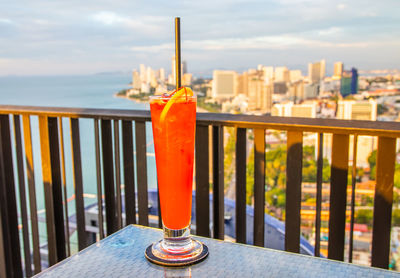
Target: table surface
x=122 y=255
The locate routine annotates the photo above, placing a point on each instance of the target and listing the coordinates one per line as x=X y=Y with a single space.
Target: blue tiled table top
x=122 y=255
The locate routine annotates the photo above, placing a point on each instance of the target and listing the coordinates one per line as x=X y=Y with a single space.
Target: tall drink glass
x=174 y=123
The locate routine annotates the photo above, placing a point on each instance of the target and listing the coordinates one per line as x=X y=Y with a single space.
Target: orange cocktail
x=174 y=121
x=174 y=134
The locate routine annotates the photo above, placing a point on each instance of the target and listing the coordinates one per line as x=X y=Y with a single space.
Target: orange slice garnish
x=173 y=99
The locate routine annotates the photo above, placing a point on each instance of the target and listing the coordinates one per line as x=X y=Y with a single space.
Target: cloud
x=253 y=43
x=42 y=22
x=110 y=18
x=144 y=24
x=369 y=14
x=341 y=6
x=123 y=34
x=330 y=31
x=5 y=21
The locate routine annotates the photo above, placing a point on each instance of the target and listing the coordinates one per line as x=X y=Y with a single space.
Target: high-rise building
x=136 y=81
x=290 y=109
x=224 y=84
x=268 y=75
x=360 y=110
x=316 y=71
x=357 y=110
x=311 y=90
x=251 y=84
x=295 y=75
x=161 y=74
x=349 y=82
x=149 y=74
x=187 y=79
x=280 y=88
x=266 y=105
x=331 y=85
x=243 y=84
x=143 y=73
x=259 y=94
x=282 y=74
x=304 y=110
x=151 y=77
x=338 y=69
x=296 y=91
x=323 y=69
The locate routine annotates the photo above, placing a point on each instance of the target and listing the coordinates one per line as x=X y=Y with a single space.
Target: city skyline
x=71 y=37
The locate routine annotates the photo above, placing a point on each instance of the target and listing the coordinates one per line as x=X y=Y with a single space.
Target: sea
x=88 y=91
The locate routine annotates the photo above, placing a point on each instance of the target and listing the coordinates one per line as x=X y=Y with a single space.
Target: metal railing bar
x=48 y=194
x=8 y=203
x=141 y=170
x=32 y=192
x=202 y=181
x=320 y=166
x=22 y=195
x=218 y=182
x=240 y=185
x=64 y=186
x=294 y=166
x=374 y=128
x=98 y=180
x=117 y=174
x=259 y=187
x=129 y=172
x=385 y=167
x=56 y=187
x=337 y=198
x=353 y=196
x=78 y=183
x=108 y=176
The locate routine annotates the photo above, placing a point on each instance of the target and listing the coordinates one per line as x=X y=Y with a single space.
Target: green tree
x=310 y=166
x=229 y=157
x=397 y=176
x=396 y=217
x=372 y=164
x=275 y=167
x=381 y=109
x=250 y=178
x=364 y=216
x=276 y=197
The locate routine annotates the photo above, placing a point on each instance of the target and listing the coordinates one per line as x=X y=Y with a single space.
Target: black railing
x=109 y=171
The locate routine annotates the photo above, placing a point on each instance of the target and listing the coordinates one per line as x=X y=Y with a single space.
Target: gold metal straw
x=178 y=52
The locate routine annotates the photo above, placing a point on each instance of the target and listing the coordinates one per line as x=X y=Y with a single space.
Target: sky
x=84 y=37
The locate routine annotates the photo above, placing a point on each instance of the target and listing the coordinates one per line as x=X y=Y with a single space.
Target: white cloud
x=111 y=18
x=42 y=22
x=5 y=21
x=369 y=14
x=330 y=31
x=341 y=6
x=149 y=24
x=254 y=43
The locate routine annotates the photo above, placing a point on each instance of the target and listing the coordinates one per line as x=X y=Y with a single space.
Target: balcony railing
x=16 y=159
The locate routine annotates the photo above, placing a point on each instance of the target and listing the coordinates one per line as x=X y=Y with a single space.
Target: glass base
x=177 y=248
x=177 y=245
x=177 y=252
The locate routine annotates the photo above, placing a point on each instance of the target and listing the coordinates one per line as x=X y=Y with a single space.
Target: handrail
x=359 y=127
x=110 y=140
